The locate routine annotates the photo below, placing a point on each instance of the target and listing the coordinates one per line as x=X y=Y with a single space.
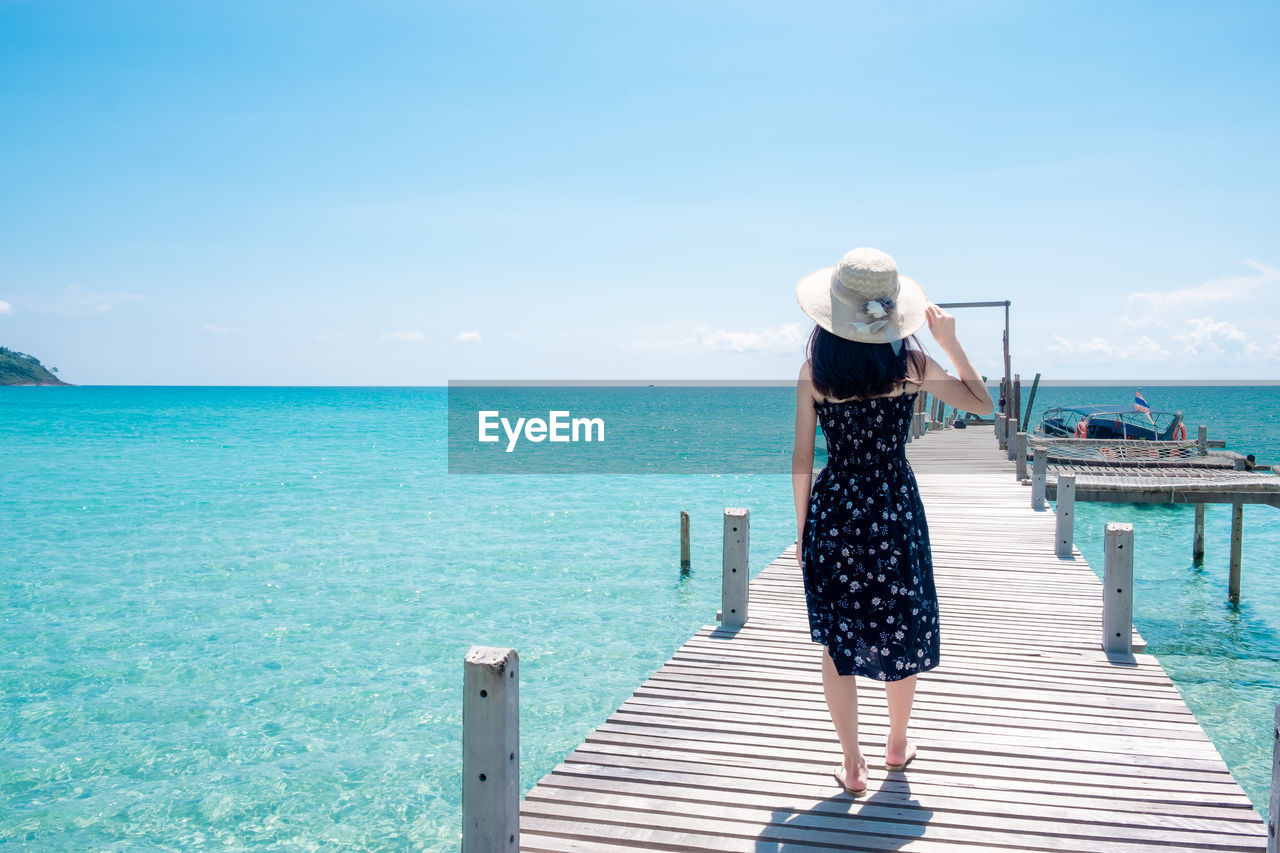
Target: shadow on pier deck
x=1030 y=737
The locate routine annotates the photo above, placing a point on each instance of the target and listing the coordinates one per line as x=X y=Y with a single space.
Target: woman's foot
x=854 y=782
x=898 y=758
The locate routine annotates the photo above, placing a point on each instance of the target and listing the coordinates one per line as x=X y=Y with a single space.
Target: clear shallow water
x=237 y=617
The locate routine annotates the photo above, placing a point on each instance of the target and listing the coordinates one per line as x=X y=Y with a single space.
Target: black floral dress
x=868 y=571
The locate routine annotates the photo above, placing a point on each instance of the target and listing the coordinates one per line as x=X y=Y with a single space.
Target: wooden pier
x=1030 y=736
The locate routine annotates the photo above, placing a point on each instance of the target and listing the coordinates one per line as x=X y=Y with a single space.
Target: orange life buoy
x=1082 y=428
x=1180 y=434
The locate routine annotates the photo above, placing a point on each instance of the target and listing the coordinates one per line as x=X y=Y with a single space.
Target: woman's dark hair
x=843 y=368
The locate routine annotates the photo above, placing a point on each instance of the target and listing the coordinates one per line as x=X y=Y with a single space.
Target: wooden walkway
x=1029 y=737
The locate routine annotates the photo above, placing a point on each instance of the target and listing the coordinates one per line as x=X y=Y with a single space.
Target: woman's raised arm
x=964 y=391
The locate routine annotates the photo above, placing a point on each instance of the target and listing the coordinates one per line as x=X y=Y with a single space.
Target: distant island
x=18 y=368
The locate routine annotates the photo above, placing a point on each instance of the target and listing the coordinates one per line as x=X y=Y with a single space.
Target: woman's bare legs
x=899 y=695
x=842 y=701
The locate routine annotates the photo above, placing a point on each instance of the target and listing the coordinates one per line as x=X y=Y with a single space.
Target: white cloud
x=215 y=329
x=1206 y=336
x=1101 y=350
x=1270 y=352
x=1180 y=327
x=468 y=338
x=76 y=299
x=5 y=307
x=787 y=338
x=404 y=336
x=1201 y=297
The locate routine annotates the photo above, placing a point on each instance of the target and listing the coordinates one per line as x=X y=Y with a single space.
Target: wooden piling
x=1066 y=512
x=491 y=750
x=1011 y=442
x=1197 y=541
x=1039 y=474
x=1202 y=439
x=1020 y=456
x=1017 y=402
x=1031 y=402
x=1273 y=813
x=1117 y=589
x=733 y=587
x=1237 y=540
x=685 y=561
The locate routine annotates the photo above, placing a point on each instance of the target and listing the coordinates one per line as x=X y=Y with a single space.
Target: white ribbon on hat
x=884 y=309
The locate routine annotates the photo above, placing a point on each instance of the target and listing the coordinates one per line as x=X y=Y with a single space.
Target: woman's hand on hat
x=941 y=325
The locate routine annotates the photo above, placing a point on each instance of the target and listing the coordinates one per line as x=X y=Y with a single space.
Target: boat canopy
x=1089 y=411
x=1111 y=422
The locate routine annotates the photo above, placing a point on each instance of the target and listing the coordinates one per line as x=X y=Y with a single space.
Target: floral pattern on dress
x=868 y=570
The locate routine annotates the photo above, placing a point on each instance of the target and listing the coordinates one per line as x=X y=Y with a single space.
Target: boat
x=1132 y=423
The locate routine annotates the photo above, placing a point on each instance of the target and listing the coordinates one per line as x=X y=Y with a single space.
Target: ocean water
x=236 y=617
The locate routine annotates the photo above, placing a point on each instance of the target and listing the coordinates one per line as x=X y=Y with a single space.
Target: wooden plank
x=973 y=814
x=720 y=777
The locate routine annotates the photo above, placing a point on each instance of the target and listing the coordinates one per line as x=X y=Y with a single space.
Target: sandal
x=895 y=768
x=839 y=777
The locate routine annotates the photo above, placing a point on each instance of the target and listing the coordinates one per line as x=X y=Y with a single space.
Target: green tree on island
x=18 y=368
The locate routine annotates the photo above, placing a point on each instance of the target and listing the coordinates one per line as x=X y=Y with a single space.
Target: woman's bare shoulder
x=805 y=384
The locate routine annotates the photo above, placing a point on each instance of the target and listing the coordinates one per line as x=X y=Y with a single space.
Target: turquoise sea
x=236 y=617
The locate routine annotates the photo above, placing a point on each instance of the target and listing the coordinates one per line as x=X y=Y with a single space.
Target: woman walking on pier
x=863 y=542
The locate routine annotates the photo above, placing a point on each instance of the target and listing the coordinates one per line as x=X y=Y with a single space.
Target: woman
x=863 y=543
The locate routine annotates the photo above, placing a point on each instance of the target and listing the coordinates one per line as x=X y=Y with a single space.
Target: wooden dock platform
x=1167 y=484
x=1030 y=737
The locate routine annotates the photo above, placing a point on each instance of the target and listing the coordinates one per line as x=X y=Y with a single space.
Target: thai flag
x=1140 y=403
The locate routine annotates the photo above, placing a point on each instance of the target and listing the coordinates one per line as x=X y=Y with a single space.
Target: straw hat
x=863 y=298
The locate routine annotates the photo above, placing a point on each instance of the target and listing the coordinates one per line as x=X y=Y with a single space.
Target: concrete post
x=1237 y=541
x=1020 y=456
x=733 y=587
x=1117 y=591
x=491 y=751
x=1039 y=473
x=1066 y=514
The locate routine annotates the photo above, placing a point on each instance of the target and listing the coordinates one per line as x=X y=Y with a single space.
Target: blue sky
x=407 y=193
